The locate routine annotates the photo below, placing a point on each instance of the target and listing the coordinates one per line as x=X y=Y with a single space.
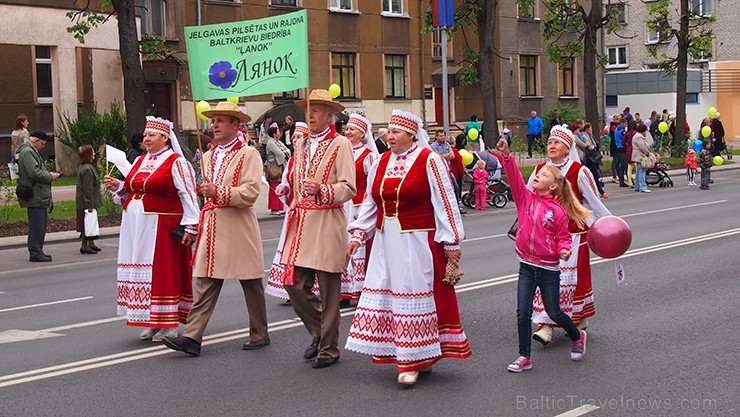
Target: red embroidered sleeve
x=223 y=195
x=326 y=194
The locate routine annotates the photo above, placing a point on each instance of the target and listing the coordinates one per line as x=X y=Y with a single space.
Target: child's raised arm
x=516 y=182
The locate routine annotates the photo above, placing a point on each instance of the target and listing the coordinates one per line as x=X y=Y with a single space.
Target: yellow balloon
x=462 y=152
x=202 y=106
x=706 y=131
x=718 y=160
x=663 y=127
x=712 y=112
x=335 y=90
x=234 y=100
x=473 y=134
x=467 y=159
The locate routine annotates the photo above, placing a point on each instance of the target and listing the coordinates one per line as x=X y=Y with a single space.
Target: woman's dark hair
x=136 y=140
x=641 y=128
x=473 y=118
x=632 y=125
x=271 y=131
x=19 y=121
x=626 y=110
x=574 y=127
x=85 y=152
x=460 y=141
x=586 y=126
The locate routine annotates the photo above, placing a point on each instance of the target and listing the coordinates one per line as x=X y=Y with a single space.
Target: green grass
x=71 y=180
x=62 y=210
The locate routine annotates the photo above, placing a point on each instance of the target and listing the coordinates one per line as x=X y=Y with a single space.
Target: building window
x=437 y=44
x=527 y=75
x=395 y=76
x=612 y=101
x=653 y=36
x=43 y=75
x=619 y=10
x=701 y=57
x=692 y=98
x=393 y=6
x=526 y=10
x=291 y=3
x=617 y=57
x=566 y=79
x=153 y=17
x=701 y=7
x=343 y=73
x=343 y=5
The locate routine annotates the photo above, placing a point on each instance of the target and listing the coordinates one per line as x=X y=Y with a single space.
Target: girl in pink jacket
x=480 y=177
x=542 y=239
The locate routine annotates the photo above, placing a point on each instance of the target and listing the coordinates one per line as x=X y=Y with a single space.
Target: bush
x=95 y=129
x=568 y=114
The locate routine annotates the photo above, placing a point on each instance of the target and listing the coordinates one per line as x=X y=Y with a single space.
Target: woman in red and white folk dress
x=276 y=276
x=154 y=275
x=576 y=293
x=406 y=314
x=359 y=132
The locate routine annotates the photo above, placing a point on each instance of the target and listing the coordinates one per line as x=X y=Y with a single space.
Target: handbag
x=648 y=161
x=178 y=233
x=273 y=171
x=512 y=230
x=24 y=192
x=92 y=228
x=452 y=273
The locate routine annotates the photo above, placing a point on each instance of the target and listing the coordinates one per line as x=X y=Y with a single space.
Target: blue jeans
x=640 y=183
x=531 y=277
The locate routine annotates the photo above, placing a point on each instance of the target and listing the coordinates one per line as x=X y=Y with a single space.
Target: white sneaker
x=408 y=378
x=170 y=333
x=148 y=333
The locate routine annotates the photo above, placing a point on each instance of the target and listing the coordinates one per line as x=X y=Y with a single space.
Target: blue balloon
x=697 y=145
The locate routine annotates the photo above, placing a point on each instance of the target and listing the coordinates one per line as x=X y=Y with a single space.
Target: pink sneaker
x=521 y=363
x=578 y=348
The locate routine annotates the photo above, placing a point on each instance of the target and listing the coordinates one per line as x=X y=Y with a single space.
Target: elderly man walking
x=228 y=224
x=320 y=180
x=34 y=193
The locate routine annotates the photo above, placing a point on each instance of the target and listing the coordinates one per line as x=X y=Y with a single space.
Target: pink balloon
x=609 y=237
x=648 y=122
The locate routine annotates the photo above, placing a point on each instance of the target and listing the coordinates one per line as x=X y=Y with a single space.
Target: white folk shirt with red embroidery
x=449 y=225
x=369 y=159
x=219 y=152
x=313 y=145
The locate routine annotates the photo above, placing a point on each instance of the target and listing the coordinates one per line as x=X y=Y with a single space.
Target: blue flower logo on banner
x=222 y=75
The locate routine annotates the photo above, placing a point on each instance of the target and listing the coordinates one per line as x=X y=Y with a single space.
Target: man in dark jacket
x=718 y=132
x=33 y=174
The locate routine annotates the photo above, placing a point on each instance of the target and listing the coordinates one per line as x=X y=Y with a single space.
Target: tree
x=133 y=77
x=479 y=64
x=692 y=38
x=571 y=29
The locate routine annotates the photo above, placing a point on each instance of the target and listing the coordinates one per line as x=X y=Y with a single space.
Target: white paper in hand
x=118 y=158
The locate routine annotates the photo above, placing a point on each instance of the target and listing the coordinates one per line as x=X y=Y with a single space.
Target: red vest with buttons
x=406 y=198
x=156 y=190
x=572 y=176
x=360 y=178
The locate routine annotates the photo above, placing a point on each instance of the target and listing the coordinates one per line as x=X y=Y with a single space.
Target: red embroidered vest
x=407 y=198
x=155 y=189
x=572 y=176
x=360 y=178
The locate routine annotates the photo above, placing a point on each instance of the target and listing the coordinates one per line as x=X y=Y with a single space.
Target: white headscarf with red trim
x=163 y=126
x=361 y=123
x=410 y=123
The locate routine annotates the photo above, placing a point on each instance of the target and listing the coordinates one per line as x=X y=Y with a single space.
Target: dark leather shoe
x=183 y=344
x=95 y=248
x=256 y=344
x=313 y=350
x=88 y=251
x=41 y=258
x=324 y=362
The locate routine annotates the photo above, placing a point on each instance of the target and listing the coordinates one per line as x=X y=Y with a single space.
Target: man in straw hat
x=321 y=179
x=231 y=185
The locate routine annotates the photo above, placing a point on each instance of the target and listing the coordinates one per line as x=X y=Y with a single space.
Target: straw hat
x=228 y=108
x=320 y=96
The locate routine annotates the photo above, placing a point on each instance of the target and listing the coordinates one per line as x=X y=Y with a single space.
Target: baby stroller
x=497 y=190
x=659 y=175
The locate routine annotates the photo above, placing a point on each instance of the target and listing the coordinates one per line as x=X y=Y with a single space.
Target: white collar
x=408 y=151
x=229 y=145
x=320 y=136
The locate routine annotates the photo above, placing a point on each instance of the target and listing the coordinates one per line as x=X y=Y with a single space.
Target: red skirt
x=273 y=201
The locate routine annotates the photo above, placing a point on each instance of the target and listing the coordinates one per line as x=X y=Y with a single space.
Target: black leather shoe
x=40 y=258
x=324 y=362
x=313 y=350
x=88 y=251
x=183 y=344
x=256 y=344
x=345 y=303
x=95 y=248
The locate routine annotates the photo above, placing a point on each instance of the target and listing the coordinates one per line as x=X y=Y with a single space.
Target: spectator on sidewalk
x=137 y=147
x=87 y=196
x=36 y=179
x=473 y=124
x=718 y=131
x=19 y=135
x=534 y=131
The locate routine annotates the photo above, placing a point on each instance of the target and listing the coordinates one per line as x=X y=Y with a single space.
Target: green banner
x=248 y=58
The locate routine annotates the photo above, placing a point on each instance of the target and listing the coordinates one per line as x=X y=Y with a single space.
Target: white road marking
x=130 y=356
x=674 y=208
x=584 y=409
x=71 y=300
x=15 y=335
x=85 y=324
x=57 y=266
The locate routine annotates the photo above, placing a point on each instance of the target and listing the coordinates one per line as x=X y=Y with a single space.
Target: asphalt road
x=663 y=342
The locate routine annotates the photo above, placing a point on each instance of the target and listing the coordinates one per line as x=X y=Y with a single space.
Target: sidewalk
x=263 y=214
